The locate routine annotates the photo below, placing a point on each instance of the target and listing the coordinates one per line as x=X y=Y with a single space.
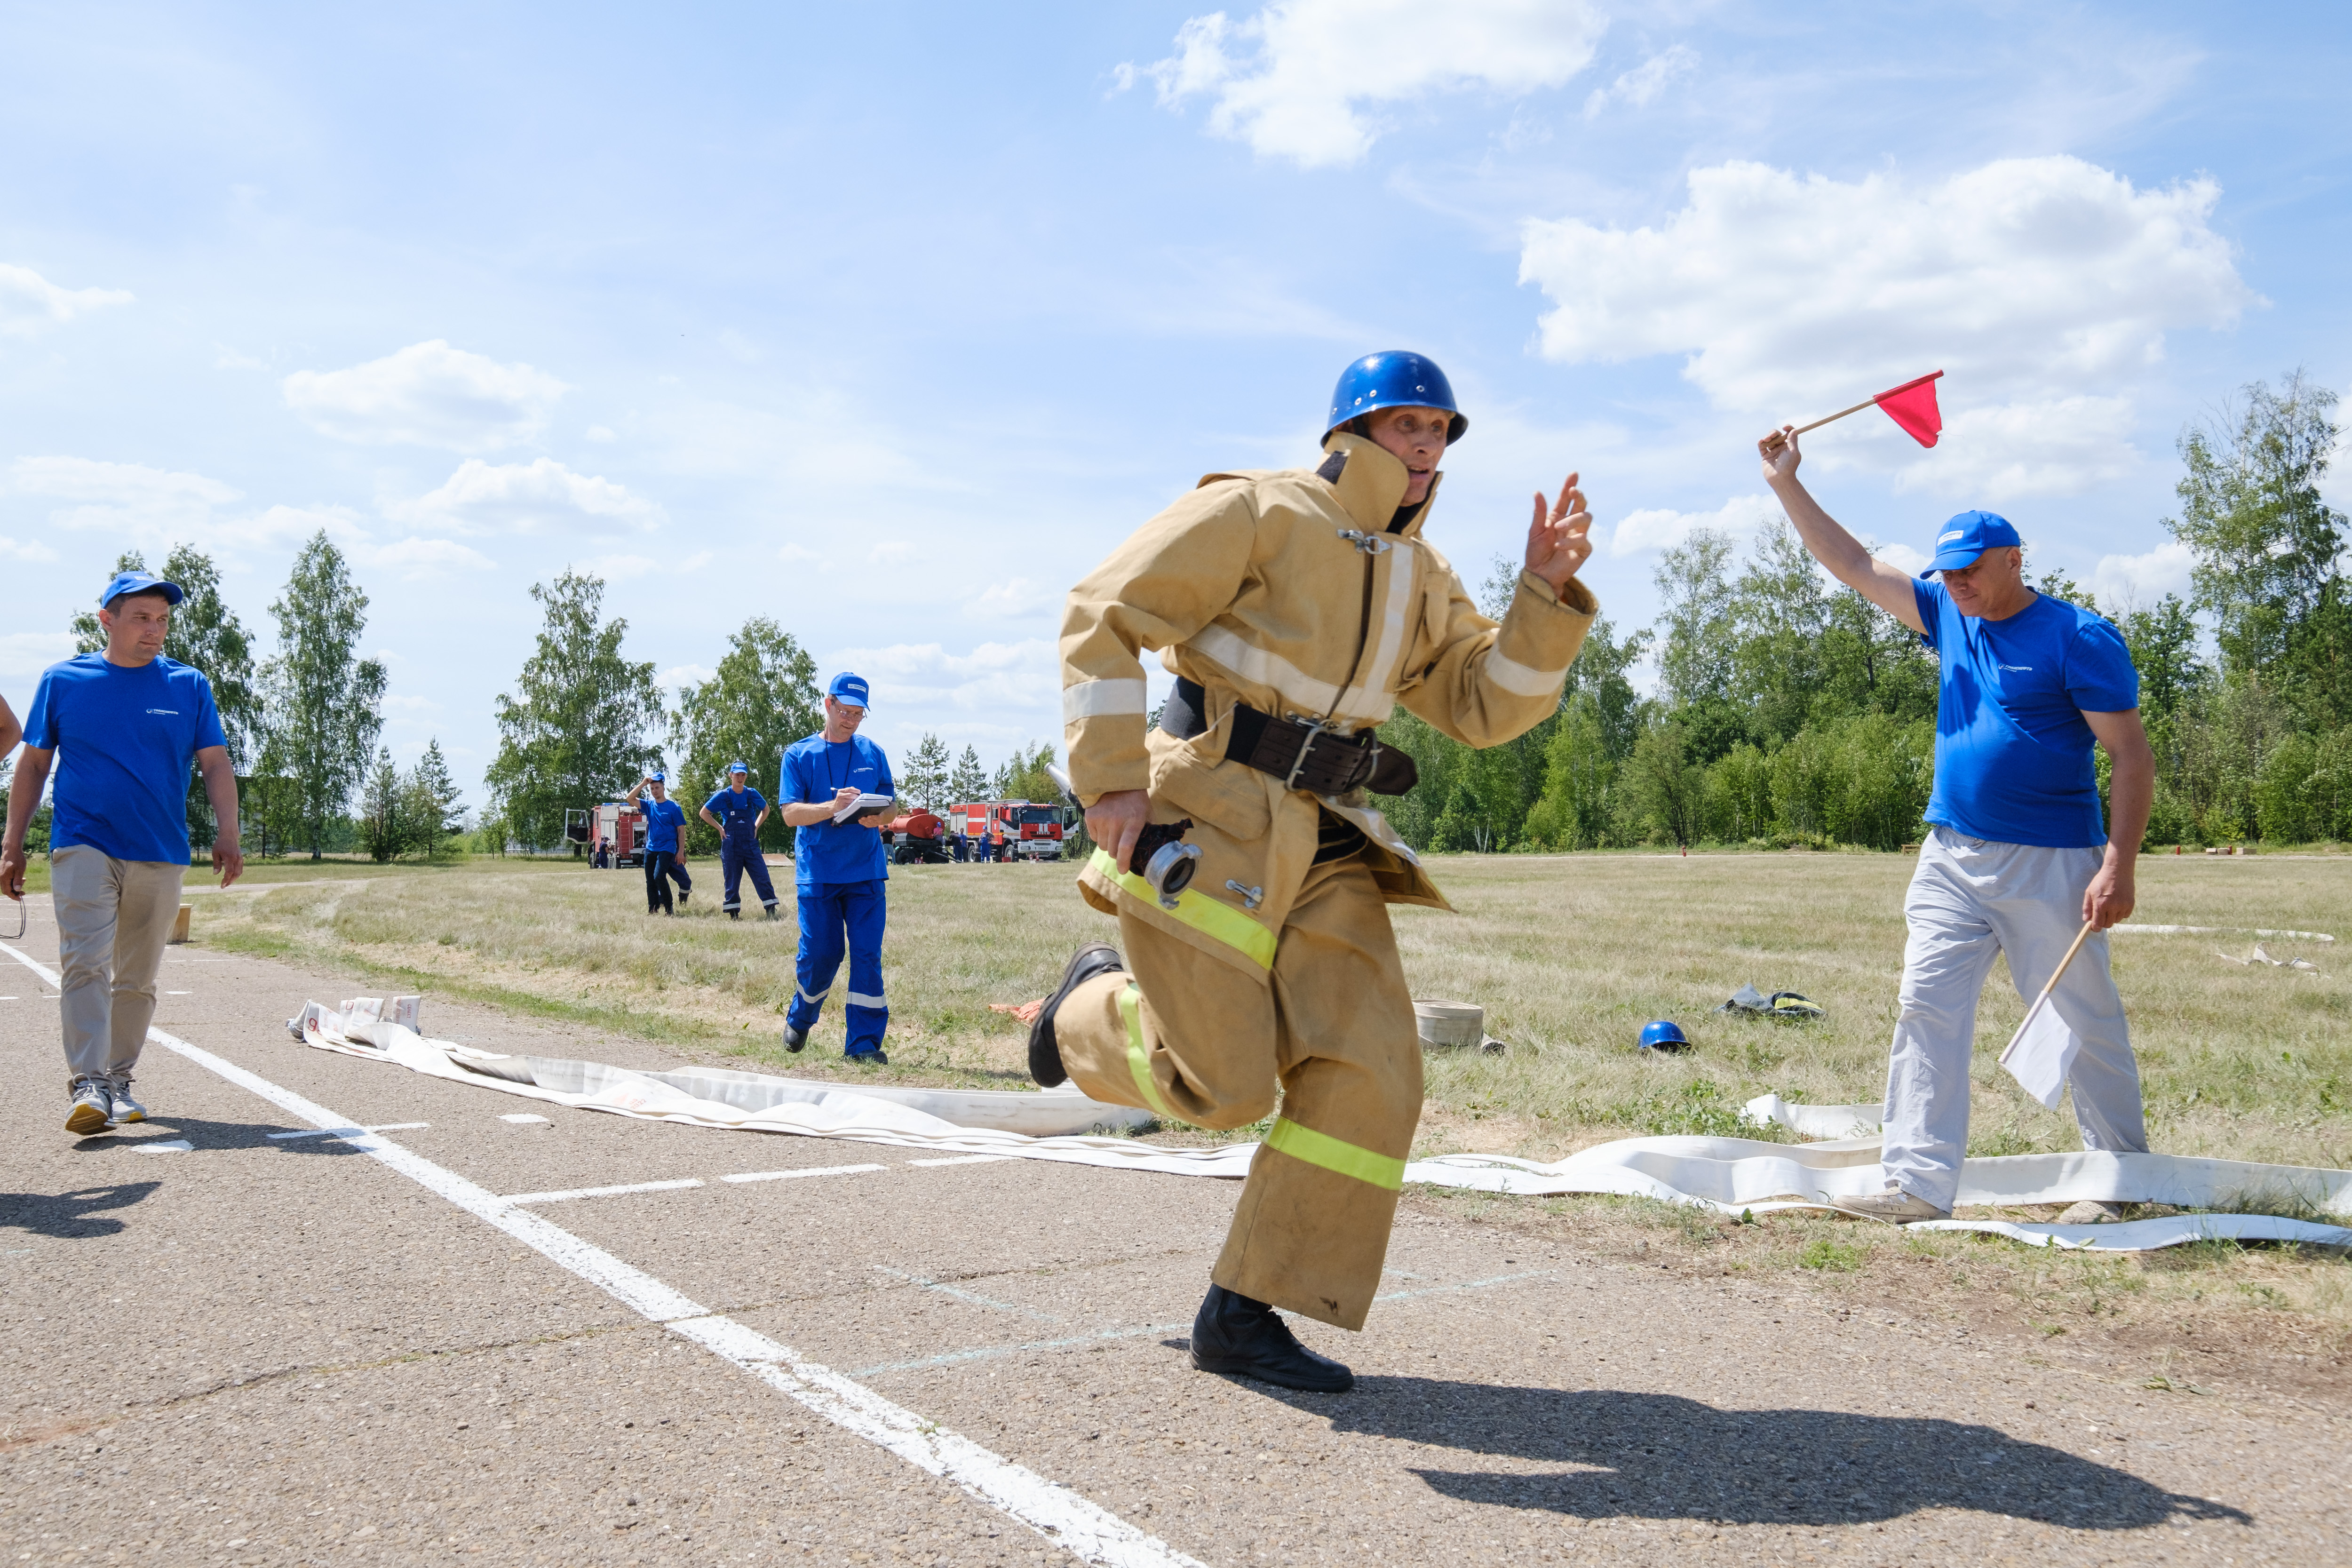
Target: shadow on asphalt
x=72 y=1216
x=206 y=1136
x=1661 y=1456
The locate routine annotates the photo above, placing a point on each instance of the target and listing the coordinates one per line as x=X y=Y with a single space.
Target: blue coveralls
x=665 y=820
x=738 y=846
x=840 y=870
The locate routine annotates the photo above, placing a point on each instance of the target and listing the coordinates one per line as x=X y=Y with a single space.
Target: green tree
x=384 y=826
x=320 y=698
x=761 y=700
x=430 y=797
x=580 y=729
x=969 y=781
x=1665 y=787
x=1697 y=618
x=1780 y=613
x=2266 y=545
x=1023 y=776
x=924 y=778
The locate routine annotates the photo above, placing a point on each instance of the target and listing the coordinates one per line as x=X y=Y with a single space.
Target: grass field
x=1569 y=955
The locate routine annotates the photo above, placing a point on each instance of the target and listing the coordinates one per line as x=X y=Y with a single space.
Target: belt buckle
x=1314 y=727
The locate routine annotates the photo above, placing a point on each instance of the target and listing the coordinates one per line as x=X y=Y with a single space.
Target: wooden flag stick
x=1866 y=402
x=2044 y=1000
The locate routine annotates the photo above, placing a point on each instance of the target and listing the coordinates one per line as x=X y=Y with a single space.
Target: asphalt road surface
x=231 y=1336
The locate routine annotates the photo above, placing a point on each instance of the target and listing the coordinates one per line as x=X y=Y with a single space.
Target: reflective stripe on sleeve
x=1094 y=699
x=1514 y=677
x=1347 y=1159
x=1204 y=915
x=1138 y=1061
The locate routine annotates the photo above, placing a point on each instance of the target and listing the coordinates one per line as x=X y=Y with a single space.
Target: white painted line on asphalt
x=974 y=1297
x=567 y=1195
x=349 y=1131
x=964 y=1160
x=163 y=1146
x=521 y=1118
x=812 y=1170
x=1085 y=1529
x=179 y=993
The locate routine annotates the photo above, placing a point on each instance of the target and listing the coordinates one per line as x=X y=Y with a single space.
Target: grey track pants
x=113 y=917
x=1970 y=899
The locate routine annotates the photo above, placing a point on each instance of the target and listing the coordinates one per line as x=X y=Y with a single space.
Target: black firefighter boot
x=1044 y=1051
x=1249 y=1339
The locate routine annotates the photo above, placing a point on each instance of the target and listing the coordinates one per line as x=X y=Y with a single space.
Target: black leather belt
x=1321 y=761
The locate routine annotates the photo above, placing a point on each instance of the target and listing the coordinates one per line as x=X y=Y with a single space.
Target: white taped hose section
x=1727 y=1176
x=1085 y=1529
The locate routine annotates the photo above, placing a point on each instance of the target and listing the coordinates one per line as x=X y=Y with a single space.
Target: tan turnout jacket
x=1255 y=585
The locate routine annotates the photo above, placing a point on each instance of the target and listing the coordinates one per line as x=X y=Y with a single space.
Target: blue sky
x=890 y=321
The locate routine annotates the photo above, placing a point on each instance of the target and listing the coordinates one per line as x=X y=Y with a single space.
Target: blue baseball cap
x=1960 y=541
x=658 y=776
x=848 y=688
x=738 y=767
x=139 y=583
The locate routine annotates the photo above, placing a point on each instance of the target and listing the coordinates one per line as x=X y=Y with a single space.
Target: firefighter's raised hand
x=1116 y=820
x=1559 y=538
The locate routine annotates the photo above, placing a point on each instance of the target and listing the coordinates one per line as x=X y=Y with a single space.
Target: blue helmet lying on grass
x=1665 y=1035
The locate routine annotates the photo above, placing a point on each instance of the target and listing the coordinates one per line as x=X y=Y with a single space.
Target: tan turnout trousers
x=1301 y=594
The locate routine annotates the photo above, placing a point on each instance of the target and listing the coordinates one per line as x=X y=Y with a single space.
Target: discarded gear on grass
x=2262 y=956
x=1453 y=1026
x=1789 y=1006
x=1722 y=1175
x=1663 y=1035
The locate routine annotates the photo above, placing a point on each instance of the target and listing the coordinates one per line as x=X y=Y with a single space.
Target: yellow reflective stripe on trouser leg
x=1201 y=912
x=1138 y=1061
x=1347 y=1159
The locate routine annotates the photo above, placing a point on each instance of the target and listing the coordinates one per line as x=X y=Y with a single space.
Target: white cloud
x=417 y=557
x=1643 y=82
x=800 y=554
x=427 y=395
x=620 y=568
x=25 y=550
x=30 y=653
x=143 y=505
x=992 y=677
x=892 y=552
x=1903 y=557
x=679 y=675
x=30 y=303
x=401 y=703
x=2043 y=287
x=485 y=498
x=1310 y=69
x=2135 y=580
x=1015 y=597
x=1657 y=528
x=601 y=433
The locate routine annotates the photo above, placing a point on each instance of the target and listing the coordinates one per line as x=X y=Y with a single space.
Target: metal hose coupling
x=1163 y=859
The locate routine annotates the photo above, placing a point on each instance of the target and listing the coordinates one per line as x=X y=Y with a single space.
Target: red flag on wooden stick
x=1912 y=406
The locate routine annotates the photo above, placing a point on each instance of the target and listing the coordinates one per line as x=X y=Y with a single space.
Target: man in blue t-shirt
x=665 y=843
x=2017 y=861
x=840 y=870
x=737 y=812
x=124 y=727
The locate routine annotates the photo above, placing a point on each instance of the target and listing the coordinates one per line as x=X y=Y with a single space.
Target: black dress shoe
x=795 y=1039
x=1249 y=1339
x=1044 y=1051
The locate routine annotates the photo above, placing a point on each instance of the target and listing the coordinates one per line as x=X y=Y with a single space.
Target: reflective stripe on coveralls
x=1333 y=1154
x=1197 y=909
x=1138 y=1060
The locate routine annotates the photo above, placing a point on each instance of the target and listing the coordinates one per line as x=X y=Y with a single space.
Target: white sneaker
x=125 y=1108
x=1893 y=1206
x=93 y=1108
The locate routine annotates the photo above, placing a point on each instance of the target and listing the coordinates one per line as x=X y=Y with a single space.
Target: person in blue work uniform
x=737 y=812
x=665 y=843
x=839 y=870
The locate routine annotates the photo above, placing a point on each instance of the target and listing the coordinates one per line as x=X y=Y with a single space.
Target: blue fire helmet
x=1665 y=1035
x=139 y=583
x=1394 y=379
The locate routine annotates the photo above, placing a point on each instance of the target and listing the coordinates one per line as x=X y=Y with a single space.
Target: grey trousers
x=1970 y=900
x=113 y=917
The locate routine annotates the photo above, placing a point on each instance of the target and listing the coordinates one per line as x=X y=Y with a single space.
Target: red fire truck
x=621 y=824
x=1020 y=829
